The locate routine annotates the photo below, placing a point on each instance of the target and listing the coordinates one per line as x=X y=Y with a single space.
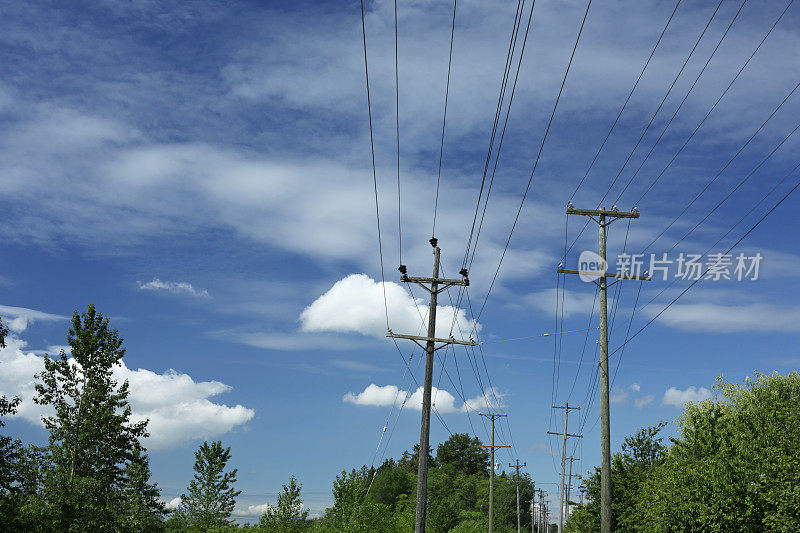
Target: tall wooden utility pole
x=491 y=474
x=565 y=434
x=434 y=286
x=517 y=466
x=602 y=280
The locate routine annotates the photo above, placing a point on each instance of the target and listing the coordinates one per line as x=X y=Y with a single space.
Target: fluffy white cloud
x=355 y=304
x=18 y=318
x=177 y=406
x=384 y=396
x=173 y=503
x=175 y=287
x=677 y=397
x=635 y=387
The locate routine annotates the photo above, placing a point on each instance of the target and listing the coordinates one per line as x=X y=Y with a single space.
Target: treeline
x=735 y=466
x=94 y=473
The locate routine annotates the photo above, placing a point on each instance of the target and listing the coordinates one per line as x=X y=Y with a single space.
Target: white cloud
x=175 y=287
x=384 y=396
x=173 y=503
x=644 y=400
x=19 y=318
x=731 y=318
x=677 y=397
x=177 y=406
x=618 y=395
x=635 y=387
x=572 y=302
x=355 y=304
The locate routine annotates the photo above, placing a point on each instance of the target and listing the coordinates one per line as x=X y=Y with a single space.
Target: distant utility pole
x=603 y=275
x=434 y=286
x=546 y=524
x=569 y=483
x=491 y=475
x=517 y=466
x=540 y=517
x=561 y=486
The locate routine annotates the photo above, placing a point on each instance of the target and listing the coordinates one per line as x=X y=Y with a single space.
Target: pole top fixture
x=434 y=241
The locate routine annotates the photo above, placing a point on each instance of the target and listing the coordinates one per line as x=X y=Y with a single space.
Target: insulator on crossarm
x=403 y=270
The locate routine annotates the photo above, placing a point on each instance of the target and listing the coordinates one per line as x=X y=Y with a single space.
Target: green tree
x=143 y=510
x=641 y=454
x=211 y=496
x=735 y=466
x=289 y=514
x=465 y=454
x=92 y=437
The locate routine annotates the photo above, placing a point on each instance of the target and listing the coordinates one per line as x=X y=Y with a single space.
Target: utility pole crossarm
x=451 y=340
x=443 y=283
x=600 y=274
x=606 y=212
x=567 y=434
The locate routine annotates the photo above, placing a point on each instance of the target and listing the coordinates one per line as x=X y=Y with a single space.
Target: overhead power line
x=444 y=118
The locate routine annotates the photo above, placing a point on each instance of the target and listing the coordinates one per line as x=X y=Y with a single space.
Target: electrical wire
x=444 y=118
x=683 y=101
x=536 y=162
x=625 y=104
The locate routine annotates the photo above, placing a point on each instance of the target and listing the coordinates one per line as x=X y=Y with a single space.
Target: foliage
x=211 y=496
x=85 y=469
x=733 y=468
x=466 y=454
x=289 y=515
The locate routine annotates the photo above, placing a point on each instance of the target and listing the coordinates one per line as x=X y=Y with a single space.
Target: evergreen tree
x=143 y=508
x=91 y=435
x=211 y=496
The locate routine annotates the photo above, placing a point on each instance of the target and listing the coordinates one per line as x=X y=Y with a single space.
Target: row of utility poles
x=435 y=285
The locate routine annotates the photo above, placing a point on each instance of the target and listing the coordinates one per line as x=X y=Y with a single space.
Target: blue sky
x=202 y=174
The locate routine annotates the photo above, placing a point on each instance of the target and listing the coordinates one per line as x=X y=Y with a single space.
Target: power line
x=714 y=106
x=658 y=109
x=397 y=131
x=683 y=101
x=774 y=207
x=725 y=166
x=444 y=118
x=498 y=111
x=625 y=104
x=536 y=162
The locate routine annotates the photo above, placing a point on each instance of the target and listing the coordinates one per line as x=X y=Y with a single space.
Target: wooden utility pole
x=569 y=483
x=434 y=286
x=602 y=280
x=491 y=474
x=540 y=517
x=517 y=466
x=561 y=486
